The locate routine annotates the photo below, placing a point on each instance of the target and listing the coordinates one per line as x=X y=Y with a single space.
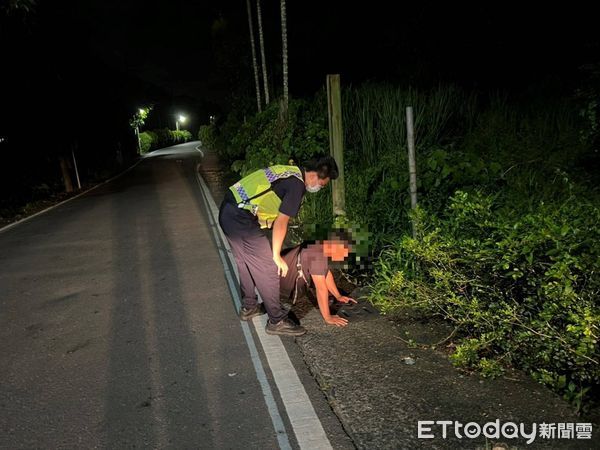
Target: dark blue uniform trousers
x=254 y=259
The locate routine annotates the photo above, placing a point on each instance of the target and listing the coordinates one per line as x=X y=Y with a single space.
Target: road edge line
x=303 y=418
x=276 y=419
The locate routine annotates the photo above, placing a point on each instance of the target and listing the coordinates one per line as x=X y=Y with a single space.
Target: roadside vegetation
x=508 y=225
x=154 y=139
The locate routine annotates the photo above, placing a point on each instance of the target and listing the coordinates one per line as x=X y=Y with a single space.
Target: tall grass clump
x=375 y=147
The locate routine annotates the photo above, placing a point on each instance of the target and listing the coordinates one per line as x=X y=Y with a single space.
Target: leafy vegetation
x=508 y=223
x=521 y=287
x=151 y=140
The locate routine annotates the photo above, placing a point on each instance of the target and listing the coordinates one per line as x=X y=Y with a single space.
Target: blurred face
x=336 y=250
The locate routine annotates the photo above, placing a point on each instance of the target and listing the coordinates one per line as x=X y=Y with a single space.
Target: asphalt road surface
x=117 y=328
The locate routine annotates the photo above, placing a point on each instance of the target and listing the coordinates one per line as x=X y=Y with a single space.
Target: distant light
x=182 y=118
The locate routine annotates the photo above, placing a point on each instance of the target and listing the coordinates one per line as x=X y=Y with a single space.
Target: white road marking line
x=280 y=431
x=294 y=397
x=303 y=418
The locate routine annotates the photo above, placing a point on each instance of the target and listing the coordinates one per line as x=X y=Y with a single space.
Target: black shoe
x=293 y=317
x=285 y=327
x=247 y=314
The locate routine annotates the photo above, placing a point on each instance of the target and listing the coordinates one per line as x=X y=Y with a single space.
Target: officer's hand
x=336 y=320
x=282 y=267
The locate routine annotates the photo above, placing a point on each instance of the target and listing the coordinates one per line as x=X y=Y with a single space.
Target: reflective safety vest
x=254 y=193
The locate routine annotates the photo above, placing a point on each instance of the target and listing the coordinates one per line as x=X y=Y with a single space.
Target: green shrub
x=266 y=139
x=179 y=136
x=164 y=138
x=146 y=140
x=207 y=136
x=155 y=139
x=521 y=285
x=223 y=138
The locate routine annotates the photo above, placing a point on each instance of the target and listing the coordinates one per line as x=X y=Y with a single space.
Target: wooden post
x=336 y=141
x=64 y=167
x=412 y=167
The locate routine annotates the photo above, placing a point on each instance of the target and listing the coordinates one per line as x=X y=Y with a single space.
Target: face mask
x=313 y=189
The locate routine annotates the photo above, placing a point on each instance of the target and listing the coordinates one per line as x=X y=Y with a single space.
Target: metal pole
x=177 y=125
x=412 y=168
x=76 y=171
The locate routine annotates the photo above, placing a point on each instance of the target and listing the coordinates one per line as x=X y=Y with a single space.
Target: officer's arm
x=279 y=231
x=323 y=300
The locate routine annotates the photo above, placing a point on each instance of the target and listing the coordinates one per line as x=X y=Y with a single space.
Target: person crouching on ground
x=310 y=263
x=268 y=198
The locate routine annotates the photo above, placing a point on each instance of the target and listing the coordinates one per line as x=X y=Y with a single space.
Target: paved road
x=117 y=329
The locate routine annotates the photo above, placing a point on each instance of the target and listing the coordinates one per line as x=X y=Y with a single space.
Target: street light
x=181 y=119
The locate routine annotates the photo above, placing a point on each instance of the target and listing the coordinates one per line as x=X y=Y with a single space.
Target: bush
x=152 y=140
x=164 y=138
x=521 y=285
x=266 y=139
x=146 y=140
x=207 y=136
x=179 y=136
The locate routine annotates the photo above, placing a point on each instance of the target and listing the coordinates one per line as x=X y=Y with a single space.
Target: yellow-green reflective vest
x=253 y=192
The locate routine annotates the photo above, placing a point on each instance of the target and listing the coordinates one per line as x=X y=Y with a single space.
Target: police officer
x=264 y=199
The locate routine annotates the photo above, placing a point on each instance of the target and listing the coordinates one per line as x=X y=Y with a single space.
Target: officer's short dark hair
x=325 y=166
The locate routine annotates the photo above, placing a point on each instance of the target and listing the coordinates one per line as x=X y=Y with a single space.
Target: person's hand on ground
x=282 y=267
x=336 y=320
x=344 y=299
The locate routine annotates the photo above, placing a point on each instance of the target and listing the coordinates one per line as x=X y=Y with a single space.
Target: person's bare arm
x=331 y=287
x=323 y=300
x=279 y=231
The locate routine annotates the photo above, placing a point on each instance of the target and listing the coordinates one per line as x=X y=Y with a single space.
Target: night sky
x=79 y=69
